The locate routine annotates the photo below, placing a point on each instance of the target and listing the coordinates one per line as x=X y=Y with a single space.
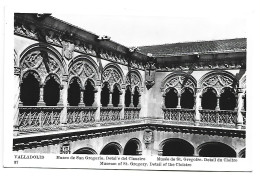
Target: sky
x=142 y=29
x=152 y=22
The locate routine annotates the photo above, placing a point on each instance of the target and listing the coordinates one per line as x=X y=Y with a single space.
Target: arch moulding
x=113 y=74
x=179 y=81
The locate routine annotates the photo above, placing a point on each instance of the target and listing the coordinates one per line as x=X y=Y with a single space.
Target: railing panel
x=110 y=115
x=179 y=116
x=218 y=118
x=131 y=114
x=37 y=119
x=80 y=116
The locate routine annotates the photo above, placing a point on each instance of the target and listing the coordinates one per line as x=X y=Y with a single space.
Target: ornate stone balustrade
x=244 y=119
x=131 y=114
x=179 y=116
x=80 y=116
x=221 y=118
x=110 y=115
x=37 y=119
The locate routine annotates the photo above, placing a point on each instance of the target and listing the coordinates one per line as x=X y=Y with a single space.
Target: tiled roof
x=202 y=47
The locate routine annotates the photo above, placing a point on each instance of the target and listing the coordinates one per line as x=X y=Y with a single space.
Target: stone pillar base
x=41 y=103
x=81 y=105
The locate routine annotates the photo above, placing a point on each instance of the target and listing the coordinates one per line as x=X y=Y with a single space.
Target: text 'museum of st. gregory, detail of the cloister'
x=79 y=93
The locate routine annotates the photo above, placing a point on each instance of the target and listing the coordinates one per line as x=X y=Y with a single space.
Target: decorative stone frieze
x=69 y=43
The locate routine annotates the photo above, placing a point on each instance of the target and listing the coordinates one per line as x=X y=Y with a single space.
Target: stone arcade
x=79 y=93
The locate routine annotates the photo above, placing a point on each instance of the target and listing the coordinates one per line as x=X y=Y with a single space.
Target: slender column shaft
x=131 y=101
x=97 y=103
x=121 y=104
x=110 y=104
x=197 y=106
x=81 y=103
x=60 y=103
x=240 y=106
x=179 y=102
x=217 y=107
x=64 y=102
x=41 y=100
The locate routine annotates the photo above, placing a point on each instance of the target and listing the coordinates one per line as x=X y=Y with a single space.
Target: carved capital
x=65 y=78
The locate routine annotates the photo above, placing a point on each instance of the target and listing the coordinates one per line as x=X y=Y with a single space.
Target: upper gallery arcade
x=68 y=79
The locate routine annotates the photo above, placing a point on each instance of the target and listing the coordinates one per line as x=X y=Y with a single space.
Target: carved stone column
x=196 y=153
x=97 y=103
x=139 y=100
x=41 y=100
x=110 y=104
x=81 y=103
x=60 y=103
x=17 y=100
x=179 y=101
x=240 y=106
x=197 y=106
x=121 y=104
x=131 y=101
x=64 y=101
x=121 y=98
x=217 y=107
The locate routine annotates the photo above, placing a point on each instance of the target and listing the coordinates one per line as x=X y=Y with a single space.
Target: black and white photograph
x=131 y=91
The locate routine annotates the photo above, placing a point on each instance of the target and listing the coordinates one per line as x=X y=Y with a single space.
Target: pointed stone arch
x=72 y=79
x=44 y=59
x=113 y=74
x=134 y=79
x=85 y=68
x=34 y=73
x=55 y=76
x=218 y=80
x=178 y=80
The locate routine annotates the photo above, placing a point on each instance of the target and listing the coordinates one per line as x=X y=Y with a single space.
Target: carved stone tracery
x=218 y=82
x=84 y=70
x=134 y=80
x=179 y=83
x=43 y=62
x=112 y=76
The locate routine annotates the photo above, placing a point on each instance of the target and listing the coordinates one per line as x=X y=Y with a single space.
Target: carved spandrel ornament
x=148 y=137
x=42 y=62
x=83 y=70
x=179 y=82
x=133 y=80
x=218 y=81
x=112 y=76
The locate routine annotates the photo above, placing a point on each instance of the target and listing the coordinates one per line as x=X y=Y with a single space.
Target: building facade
x=80 y=93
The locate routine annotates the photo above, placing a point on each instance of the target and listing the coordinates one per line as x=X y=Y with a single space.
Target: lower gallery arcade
x=107 y=103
